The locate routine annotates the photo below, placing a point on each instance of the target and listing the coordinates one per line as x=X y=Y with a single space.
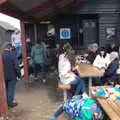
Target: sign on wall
x=65 y=33
x=110 y=33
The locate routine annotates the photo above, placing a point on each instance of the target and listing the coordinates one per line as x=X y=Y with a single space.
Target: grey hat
x=114 y=54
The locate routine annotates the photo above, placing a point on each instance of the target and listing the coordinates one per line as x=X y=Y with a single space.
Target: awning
x=36 y=10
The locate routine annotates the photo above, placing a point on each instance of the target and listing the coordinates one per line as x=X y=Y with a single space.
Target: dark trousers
x=39 y=68
x=58 y=112
x=10 y=90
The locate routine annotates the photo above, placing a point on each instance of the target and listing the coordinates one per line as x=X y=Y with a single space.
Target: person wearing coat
x=102 y=60
x=11 y=72
x=93 y=51
x=38 y=57
x=110 y=74
x=66 y=75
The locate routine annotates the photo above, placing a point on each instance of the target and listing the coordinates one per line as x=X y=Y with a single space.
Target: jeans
x=18 y=50
x=10 y=89
x=39 y=68
x=59 y=111
x=80 y=87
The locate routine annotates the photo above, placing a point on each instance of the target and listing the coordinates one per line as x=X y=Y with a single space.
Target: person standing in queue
x=11 y=73
x=38 y=58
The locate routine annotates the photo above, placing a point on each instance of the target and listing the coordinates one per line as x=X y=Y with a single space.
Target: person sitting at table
x=66 y=75
x=93 y=51
x=110 y=74
x=102 y=60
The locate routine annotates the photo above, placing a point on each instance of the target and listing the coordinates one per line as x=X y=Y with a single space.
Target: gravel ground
x=38 y=101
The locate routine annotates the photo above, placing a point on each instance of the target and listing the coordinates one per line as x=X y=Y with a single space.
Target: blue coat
x=111 y=72
x=11 y=67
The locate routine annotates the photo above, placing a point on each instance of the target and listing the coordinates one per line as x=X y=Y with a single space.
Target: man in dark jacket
x=110 y=74
x=93 y=51
x=50 y=41
x=11 y=73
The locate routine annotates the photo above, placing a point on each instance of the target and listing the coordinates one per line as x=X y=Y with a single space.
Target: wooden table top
x=111 y=107
x=87 y=70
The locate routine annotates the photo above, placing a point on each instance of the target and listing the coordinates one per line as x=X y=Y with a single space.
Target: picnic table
x=111 y=107
x=89 y=71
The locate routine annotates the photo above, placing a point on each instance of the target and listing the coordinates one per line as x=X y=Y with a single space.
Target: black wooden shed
x=94 y=21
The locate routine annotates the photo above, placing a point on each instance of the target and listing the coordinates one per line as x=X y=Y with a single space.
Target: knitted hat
x=114 y=54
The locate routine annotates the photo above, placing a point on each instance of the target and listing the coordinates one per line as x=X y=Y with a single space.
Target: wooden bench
x=111 y=107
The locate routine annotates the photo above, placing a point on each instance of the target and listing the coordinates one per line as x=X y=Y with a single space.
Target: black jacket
x=91 y=56
x=111 y=72
x=11 y=67
x=29 y=48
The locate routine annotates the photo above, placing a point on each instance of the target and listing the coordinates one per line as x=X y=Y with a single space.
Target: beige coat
x=64 y=68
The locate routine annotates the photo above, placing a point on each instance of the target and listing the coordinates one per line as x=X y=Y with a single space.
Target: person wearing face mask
x=102 y=60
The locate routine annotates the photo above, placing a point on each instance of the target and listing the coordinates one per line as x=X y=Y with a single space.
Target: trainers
x=31 y=77
x=13 y=105
x=36 y=78
x=44 y=80
x=84 y=95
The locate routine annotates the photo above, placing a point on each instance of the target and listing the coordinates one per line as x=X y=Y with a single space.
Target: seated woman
x=66 y=75
x=110 y=74
x=102 y=60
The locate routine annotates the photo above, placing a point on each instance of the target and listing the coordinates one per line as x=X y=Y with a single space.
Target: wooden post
x=3 y=101
x=35 y=32
x=24 y=51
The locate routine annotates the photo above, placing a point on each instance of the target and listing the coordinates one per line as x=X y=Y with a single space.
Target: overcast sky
x=13 y=21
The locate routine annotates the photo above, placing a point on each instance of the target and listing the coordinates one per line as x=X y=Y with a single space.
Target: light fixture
x=45 y=22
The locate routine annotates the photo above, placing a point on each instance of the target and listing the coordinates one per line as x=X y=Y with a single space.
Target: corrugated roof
x=6 y=26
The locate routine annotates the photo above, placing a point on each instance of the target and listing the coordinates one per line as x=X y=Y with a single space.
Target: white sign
x=65 y=33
